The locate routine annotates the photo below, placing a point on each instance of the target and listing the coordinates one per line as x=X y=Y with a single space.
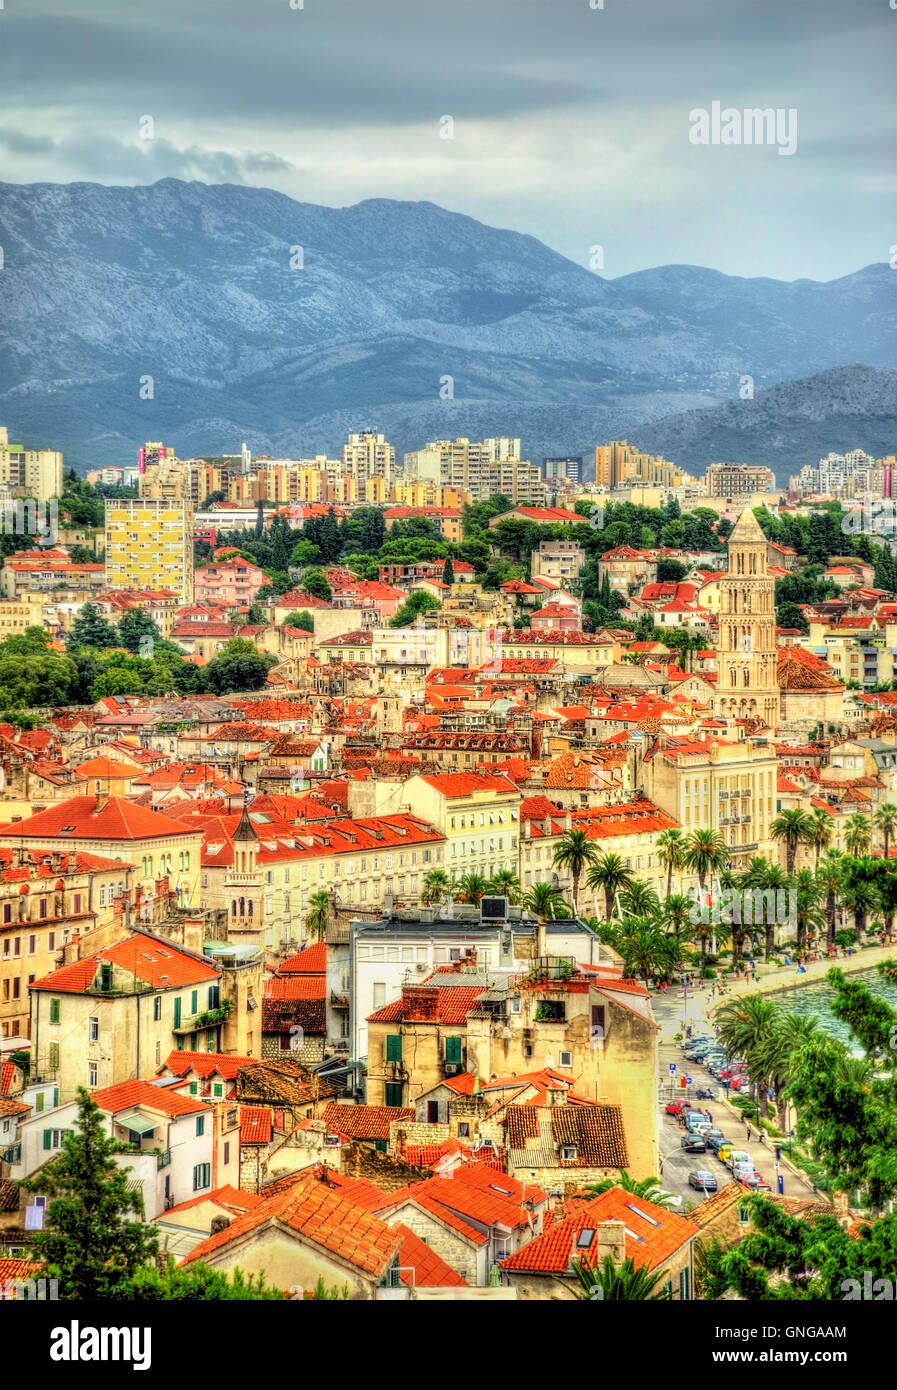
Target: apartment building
x=478 y=468
x=28 y=472
x=738 y=480
x=149 y=545
x=370 y=460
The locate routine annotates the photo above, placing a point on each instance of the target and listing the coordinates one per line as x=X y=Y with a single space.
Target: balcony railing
x=163 y=1159
x=211 y=1018
x=338 y=1001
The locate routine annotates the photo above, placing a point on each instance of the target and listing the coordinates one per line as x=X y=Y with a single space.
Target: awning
x=140 y=1124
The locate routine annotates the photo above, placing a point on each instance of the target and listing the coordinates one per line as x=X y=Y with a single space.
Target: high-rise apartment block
x=618 y=463
x=370 y=460
x=29 y=472
x=149 y=545
x=480 y=468
x=568 y=468
x=738 y=480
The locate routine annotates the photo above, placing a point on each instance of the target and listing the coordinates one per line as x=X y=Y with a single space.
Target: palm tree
x=794 y=828
x=505 y=884
x=744 y=1025
x=790 y=1033
x=646 y=949
x=857 y=834
x=670 y=847
x=829 y=877
x=676 y=910
x=437 y=885
x=624 y=1281
x=471 y=887
x=649 y=1189
x=859 y=889
x=808 y=914
x=545 y=902
x=886 y=896
x=885 y=820
x=640 y=900
x=575 y=852
x=317 y=918
x=705 y=852
x=819 y=831
x=610 y=874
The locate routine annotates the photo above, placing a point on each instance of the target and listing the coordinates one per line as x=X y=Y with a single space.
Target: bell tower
x=747 y=686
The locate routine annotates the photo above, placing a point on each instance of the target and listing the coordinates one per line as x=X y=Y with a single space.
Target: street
x=671 y=1012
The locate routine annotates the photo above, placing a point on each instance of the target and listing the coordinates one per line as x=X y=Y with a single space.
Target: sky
x=571 y=123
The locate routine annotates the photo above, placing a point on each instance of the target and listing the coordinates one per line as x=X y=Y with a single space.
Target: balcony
x=211 y=1018
x=338 y=1001
x=163 y=1159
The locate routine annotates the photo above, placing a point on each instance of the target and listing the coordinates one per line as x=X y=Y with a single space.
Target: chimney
x=557 y=1095
x=102 y=802
x=568 y=821
x=610 y=1238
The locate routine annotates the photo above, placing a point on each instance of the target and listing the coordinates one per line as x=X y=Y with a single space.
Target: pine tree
x=330 y=538
x=448 y=571
x=89 y=1241
x=91 y=629
x=259 y=522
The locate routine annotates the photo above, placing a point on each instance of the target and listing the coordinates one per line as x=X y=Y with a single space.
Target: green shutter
x=39 y=1101
x=393 y=1093
x=48 y=1138
x=54 y=1010
x=194 y=1001
x=453 y=1049
x=683 y=1283
x=393 y=1047
x=218 y=1089
x=194 y=1088
x=214 y=996
x=54 y=1056
x=200 y=1125
x=177 y=1012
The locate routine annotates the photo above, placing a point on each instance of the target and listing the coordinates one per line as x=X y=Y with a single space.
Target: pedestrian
x=748 y=1128
x=709 y=1116
x=761 y=1137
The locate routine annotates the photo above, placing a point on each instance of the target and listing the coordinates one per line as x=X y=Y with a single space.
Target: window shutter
x=48 y=1138
x=453 y=1049
x=194 y=1088
x=683 y=1283
x=54 y=1010
x=394 y=1047
x=177 y=1012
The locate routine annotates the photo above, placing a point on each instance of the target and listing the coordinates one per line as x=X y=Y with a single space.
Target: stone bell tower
x=747 y=687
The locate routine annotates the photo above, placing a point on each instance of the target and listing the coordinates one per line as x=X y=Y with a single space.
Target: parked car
x=676 y=1107
x=715 y=1141
x=755 y=1182
x=739 y=1156
x=739 y=1083
x=703 y=1180
x=724 y=1150
x=694 y=1144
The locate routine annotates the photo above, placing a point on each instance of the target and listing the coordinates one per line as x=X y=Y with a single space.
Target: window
x=200 y=1125
x=394 y=1047
x=568 y=1153
x=226 y=1151
x=91 y=1074
x=379 y=994
x=683 y=1284
x=566 y=1059
x=157 y=1007
x=453 y=1050
x=218 y=1090
x=32 y=945
x=51 y=941
x=194 y=1088
x=393 y=1097
x=54 y=1056
x=744 y=1214
x=194 y=1001
x=202 y=1176
x=463 y=1131
x=94 y=1030
x=54 y=1010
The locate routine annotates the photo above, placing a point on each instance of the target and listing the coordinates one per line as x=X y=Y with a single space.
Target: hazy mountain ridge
x=192 y=285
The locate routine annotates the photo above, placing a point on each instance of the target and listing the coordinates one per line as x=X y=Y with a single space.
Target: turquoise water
x=816 y=999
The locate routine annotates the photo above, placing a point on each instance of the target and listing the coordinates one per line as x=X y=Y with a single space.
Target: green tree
x=471 y=887
x=448 y=571
x=197 y=1283
x=300 y=618
x=505 y=884
x=304 y=553
x=314 y=582
x=238 y=666
x=857 y=834
x=819 y=832
x=885 y=820
x=575 y=852
x=791 y=615
x=89 y=1241
x=793 y=827
x=610 y=875
x=829 y=877
x=317 y=918
x=629 y=1281
x=134 y=627
x=545 y=902
x=91 y=629
x=705 y=853
x=648 y=1189
x=437 y=885
x=671 y=850
x=416 y=604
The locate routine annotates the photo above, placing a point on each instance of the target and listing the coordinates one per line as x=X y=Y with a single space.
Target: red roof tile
x=653 y=1235
x=159 y=965
x=256 y=1124
x=127 y=1094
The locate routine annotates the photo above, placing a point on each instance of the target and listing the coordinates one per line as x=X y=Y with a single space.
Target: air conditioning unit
x=420 y=967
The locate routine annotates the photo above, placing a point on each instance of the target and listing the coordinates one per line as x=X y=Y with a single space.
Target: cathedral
x=747 y=684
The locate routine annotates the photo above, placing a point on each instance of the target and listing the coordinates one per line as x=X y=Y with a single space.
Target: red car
x=755 y=1182
x=676 y=1107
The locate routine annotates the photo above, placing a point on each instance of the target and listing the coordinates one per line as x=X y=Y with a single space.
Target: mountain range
x=205 y=315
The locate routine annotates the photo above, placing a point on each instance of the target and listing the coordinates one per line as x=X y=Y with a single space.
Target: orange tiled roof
x=653 y=1235
x=205 y=1064
x=96 y=818
x=365 y=1121
x=319 y=1216
x=127 y=1094
x=256 y=1124
x=141 y=956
